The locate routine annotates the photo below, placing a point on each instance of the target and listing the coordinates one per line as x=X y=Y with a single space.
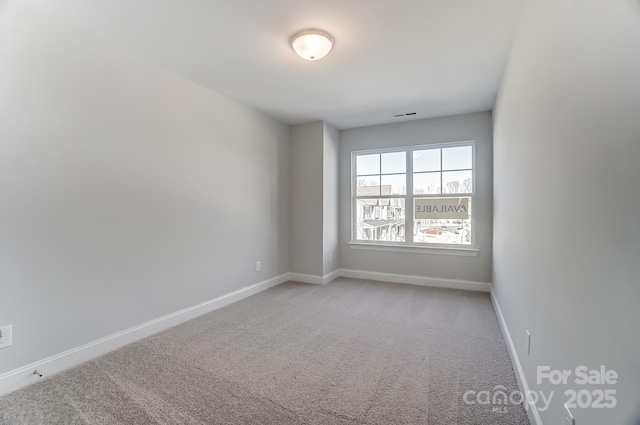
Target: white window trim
x=431 y=248
x=457 y=250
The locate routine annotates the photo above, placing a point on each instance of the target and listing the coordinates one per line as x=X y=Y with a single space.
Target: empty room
x=320 y=212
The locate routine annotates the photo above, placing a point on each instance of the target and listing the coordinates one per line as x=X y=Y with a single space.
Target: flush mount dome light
x=312 y=44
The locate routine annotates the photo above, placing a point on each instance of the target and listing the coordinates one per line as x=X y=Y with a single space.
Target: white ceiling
x=432 y=57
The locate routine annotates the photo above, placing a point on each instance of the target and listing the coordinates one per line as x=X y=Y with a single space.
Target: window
x=436 y=182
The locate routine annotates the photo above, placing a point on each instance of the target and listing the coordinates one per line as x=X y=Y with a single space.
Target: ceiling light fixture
x=312 y=44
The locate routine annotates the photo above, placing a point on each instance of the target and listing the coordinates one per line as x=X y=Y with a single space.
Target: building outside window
x=435 y=182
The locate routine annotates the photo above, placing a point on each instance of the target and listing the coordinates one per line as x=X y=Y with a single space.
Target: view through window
x=435 y=181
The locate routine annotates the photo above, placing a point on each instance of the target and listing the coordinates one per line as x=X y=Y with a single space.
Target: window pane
x=457 y=182
x=394 y=162
x=426 y=160
x=454 y=231
x=368 y=164
x=394 y=184
x=368 y=186
x=426 y=183
x=460 y=158
x=380 y=220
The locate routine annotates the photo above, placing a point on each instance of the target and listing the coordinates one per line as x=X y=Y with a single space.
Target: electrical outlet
x=568 y=417
x=528 y=343
x=6 y=336
x=258 y=266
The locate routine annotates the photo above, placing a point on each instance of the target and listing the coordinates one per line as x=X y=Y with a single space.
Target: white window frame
x=453 y=249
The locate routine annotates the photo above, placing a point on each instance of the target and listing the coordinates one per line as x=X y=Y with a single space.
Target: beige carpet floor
x=350 y=352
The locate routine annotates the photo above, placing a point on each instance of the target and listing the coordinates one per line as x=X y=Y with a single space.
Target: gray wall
x=314 y=198
x=567 y=197
x=127 y=192
x=306 y=204
x=331 y=150
x=437 y=130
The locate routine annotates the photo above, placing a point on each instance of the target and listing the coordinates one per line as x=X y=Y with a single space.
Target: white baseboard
x=314 y=279
x=532 y=410
x=23 y=376
x=390 y=277
x=417 y=280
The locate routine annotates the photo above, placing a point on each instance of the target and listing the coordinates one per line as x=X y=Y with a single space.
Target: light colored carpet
x=351 y=352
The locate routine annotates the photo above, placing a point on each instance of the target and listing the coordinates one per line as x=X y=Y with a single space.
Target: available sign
x=442 y=208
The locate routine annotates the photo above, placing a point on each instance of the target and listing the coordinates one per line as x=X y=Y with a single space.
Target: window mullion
x=408 y=202
x=380 y=176
x=441 y=181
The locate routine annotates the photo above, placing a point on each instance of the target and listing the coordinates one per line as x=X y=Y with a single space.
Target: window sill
x=438 y=250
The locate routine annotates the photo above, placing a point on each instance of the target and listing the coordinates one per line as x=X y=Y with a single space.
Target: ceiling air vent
x=408 y=114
